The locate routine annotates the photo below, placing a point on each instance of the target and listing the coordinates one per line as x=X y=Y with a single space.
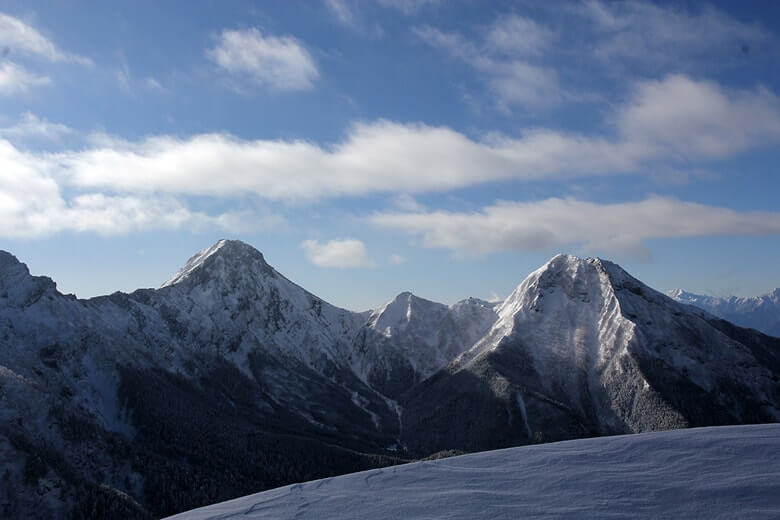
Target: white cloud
x=621 y=228
x=33 y=204
x=15 y=79
x=278 y=63
x=397 y=259
x=32 y=127
x=339 y=253
x=375 y=158
x=667 y=123
x=647 y=33
x=19 y=37
x=698 y=118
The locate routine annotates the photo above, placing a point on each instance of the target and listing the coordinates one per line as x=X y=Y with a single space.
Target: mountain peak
x=578 y=279
x=17 y=284
x=401 y=309
x=223 y=256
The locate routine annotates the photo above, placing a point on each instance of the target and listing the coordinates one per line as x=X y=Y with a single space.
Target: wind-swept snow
x=720 y=472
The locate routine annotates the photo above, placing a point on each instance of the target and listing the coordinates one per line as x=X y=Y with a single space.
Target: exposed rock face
x=230 y=379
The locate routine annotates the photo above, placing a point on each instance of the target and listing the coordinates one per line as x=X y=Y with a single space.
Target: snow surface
x=719 y=472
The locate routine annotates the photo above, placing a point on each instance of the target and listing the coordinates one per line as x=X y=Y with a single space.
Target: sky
x=371 y=147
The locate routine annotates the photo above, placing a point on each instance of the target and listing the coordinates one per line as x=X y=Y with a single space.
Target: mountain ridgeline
x=757 y=312
x=230 y=379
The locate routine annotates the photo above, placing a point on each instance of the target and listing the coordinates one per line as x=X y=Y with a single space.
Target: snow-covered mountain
x=230 y=379
x=720 y=472
x=581 y=348
x=410 y=338
x=756 y=312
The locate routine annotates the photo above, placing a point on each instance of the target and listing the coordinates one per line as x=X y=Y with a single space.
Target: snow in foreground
x=719 y=472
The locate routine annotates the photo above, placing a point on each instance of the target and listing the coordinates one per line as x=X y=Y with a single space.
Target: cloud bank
x=675 y=122
x=622 y=228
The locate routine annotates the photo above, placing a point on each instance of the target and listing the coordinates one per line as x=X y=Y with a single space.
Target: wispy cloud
x=351 y=15
x=396 y=259
x=550 y=224
x=17 y=37
x=408 y=7
x=343 y=12
x=15 y=79
x=257 y=60
x=658 y=35
x=517 y=35
x=32 y=127
x=503 y=59
x=340 y=253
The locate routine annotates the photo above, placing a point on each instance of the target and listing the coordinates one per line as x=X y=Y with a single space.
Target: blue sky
x=371 y=147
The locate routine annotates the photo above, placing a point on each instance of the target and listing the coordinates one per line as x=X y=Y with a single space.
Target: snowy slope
x=721 y=472
x=757 y=312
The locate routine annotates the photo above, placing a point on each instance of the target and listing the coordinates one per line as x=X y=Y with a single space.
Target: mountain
x=581 y=349
x=230 y=379
x=410 y=338
x=757 y=312
x=721 y=472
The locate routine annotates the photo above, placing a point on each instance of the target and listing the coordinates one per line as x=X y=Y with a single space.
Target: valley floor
x=717 y=472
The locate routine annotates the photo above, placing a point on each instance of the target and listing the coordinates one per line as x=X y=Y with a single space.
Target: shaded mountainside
x=230 y=379
x=758 y=312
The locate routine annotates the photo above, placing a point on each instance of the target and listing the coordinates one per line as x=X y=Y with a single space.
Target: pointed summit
x=225 y=259
x=403 y=309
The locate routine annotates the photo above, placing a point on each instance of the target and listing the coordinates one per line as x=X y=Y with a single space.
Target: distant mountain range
x=230 y=379
x=757 y=312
